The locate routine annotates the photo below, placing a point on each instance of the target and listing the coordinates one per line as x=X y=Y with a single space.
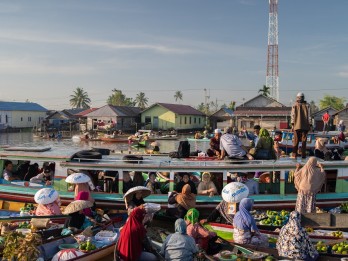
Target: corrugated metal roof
x=181 y=109
x=262 y=112
x=21 y=106
x=112 y=111
x=83 y=113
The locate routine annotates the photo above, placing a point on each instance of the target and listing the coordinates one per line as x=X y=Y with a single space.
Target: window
x=190 y=121
x=185 y=120
x=6 y=119
x=21 y=118
x=199 y=120
x=147 y=119
x=180 y=120
x=194 y=120
x=29 y=118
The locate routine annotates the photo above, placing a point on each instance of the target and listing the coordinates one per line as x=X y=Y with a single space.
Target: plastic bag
x=152 y=207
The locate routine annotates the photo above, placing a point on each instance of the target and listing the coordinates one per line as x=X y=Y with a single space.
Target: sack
x=184 y=149
x=263 y=154
x=40 y=223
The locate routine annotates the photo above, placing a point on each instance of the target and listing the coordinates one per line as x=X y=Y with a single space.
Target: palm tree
x=178 y=95
x=141 y=100
x=80 y=99
x=265 y=91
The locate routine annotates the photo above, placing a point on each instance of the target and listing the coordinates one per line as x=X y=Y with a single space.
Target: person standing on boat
x=253 y=137
x=245 y=230
x=214 y=149
x=231 y=146
x=326 y=119
x=179 y=246
x=300 y=121
x=308 y=181
x=293 y=241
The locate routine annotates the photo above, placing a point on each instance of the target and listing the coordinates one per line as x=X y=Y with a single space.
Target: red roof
x=83 y=113
x=181 y=109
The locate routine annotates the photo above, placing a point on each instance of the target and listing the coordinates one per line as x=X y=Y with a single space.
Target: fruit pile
x=340 y=248
x=309 y=229
x=337 y=234
x=87 y=246
x=321 y=247
x=275 y=218
x=344 y=207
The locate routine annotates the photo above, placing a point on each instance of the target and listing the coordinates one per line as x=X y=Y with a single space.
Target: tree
x=314 y=107
x=80 y=99
x=265 y=91
x=119 y=99
x=141 y=100
x=178 y=96
x=332 y=101
x=232 y=105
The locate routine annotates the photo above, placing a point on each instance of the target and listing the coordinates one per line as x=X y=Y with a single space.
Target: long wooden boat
x=283 y=192
x=115 y=140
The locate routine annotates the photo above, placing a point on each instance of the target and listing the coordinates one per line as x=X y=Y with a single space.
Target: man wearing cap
x=254 y=138
x=300 y=122
x=214 y=149
x=231 y=146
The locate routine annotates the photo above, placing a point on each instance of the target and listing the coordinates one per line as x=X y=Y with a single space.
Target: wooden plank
x=316 y=220
x=340 y=220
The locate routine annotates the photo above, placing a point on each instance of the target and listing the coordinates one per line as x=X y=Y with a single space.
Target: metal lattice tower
x=272 y=77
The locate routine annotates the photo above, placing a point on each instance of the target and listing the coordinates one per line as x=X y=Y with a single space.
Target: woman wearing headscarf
x=341 y=127
x=131 y=243
x=179 y=246
x=184 y=201
x=152 y=184
x=308 y=181
x=293 y=241
x=127 y=182
x=222 y=213
x=83 y=187
x=320 y=150
x=49 y=209
x=196 y=231
x=264 y=148
x=78 y=219
x=206 y=186
x=245 y=229
x=84 y=195
x=186 y=180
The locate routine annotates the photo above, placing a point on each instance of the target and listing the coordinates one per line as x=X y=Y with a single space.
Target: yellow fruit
x=344 y=252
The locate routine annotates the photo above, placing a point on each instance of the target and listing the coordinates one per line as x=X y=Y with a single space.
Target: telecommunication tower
x=272 y=77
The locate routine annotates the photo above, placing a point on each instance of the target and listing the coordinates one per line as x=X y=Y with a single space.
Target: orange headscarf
x=309 y=178
x=186 y=198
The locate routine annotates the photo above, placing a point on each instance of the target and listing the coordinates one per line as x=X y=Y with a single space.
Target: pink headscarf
x=83 y=187
x=48 y=209
x=84 y=195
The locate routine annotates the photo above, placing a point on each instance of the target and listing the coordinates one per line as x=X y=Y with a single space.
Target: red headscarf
x=130 y=244
x=84 y=195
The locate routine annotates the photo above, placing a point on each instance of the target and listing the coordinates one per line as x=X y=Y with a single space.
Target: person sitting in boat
x=179 y=246
x=248 y=180
x=86 y=187
x=245 y=230
x=138 y=179
x=293 y=241
x=84 y=195
x=8 y=171
x=265 y=178
x=78 y=219
x=206 y=186
x=22 y=169
x=184 y=201
x=223 y=213
x=132 y=240
x=232 y=147
x=320 y=150
x=197 y=232
x=154 y=148
x=48 y=202
x=136 y=201
x=308 y=181
x=127 y=182
x=44 y=177
x=214 y=149
x=152 y=184
x=32 y=172
x=264 y=149
x=198 y=135
x=186 y=180
x=253 y=137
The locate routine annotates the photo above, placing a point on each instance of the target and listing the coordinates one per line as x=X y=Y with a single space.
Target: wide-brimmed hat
x=263 y=176
x=77 y=178
x=76 y=206
x=163 y=175
x=46 y=196
x=234 y=192
x=144 y=192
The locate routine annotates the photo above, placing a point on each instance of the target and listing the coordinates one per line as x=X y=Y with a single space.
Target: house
x=82 y=118
x=111 y=117
x=222 y=118
x=340 y=115
x=166 y=116
x=21 y=114
x=63 y=120
x=264 y=111
x=317 y=118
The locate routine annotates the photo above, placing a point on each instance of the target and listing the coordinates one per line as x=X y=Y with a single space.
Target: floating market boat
x=281 y=191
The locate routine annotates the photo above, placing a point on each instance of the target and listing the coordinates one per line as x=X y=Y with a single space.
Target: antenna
x=272 y=77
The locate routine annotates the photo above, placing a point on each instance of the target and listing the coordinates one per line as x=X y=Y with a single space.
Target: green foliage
x=314 y=107
x=178 y=96
x=80 y=99
x=119 y=99
x=332 y=101
x=141 y=100
x=265 y=91
x=232 y=105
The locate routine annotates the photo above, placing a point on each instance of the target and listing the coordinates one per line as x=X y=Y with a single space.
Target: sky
x=49 y=48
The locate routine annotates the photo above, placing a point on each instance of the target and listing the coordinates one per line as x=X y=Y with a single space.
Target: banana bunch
x=28 y=249
x=337 y=234
x=309 y=229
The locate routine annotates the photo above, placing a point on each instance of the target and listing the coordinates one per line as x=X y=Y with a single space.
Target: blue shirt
x=179 y=247
x=252 y=137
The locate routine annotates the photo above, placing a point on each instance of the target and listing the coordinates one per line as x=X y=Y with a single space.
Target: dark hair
x=257 y=127
x=7 y=162
x=152 y=174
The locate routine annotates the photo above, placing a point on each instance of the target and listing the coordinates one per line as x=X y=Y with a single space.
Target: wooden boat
x=167 y=137
x=116 y=139
x=283 y=194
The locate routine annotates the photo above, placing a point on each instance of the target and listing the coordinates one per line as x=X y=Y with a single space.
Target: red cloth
x=326 y=117
x=130 y=244
x=84 y=195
